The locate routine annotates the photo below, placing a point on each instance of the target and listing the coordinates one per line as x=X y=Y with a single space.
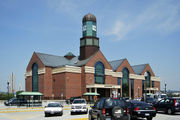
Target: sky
x=143 y=31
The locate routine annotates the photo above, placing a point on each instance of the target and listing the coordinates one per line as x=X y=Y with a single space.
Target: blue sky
x=143 y=31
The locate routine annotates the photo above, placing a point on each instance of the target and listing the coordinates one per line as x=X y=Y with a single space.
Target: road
x=14 y=113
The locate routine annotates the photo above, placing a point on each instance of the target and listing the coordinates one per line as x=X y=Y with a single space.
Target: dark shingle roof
x=58 y=61
x=115 y=64
x=138 y=69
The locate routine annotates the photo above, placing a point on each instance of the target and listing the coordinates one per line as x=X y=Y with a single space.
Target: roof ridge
x=48 y=54
x=140 y=64
x=117 y=60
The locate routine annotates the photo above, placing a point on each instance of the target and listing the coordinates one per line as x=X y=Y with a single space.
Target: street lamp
x=8 y=90
x=165 y=87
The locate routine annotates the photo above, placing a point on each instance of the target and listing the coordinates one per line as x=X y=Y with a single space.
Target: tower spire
x=89 y=43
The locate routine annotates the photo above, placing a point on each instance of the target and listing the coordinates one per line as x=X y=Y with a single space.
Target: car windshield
x=141 y=104
x=149 y=99
x=54 y=105
x=163 y=96
x=113 y=102
x=78 y=101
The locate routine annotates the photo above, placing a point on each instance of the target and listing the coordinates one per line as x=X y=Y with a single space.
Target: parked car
x=168 y=105
x=69 y=101
x=15 y=101
x=150 y=101
x=53 y=108
x=79 y=105
x=141 y=109
x=109 y=109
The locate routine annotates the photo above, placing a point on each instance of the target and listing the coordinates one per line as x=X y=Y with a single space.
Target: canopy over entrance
x=33 y=98
x=31 y=94
x=91 y=94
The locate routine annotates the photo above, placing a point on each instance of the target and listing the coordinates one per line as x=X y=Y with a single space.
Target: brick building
x=69 y=75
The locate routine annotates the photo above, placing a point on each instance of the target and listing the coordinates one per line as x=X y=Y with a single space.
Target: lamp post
x=8 y=90
x=138 y=91
x=165 y=87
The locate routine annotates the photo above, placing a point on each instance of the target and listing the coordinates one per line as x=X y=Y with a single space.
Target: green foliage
x=17 y=93
x=4 y=96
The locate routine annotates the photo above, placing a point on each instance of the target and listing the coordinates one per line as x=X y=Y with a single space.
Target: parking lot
x=14 y=113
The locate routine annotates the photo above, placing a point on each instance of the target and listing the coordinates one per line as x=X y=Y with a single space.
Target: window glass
x=119 y=81
x=35 y=77
x=148 y=77
x=89 y=42
x=132 y=88
x=125 y=83
x=152 y=83
x=99 y=73
x=82 y=42
x=96 y=42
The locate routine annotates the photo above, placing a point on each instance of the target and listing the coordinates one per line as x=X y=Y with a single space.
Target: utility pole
x=8 y=90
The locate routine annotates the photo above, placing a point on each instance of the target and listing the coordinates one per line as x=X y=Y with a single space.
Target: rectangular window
x=152 y=83
x=119 y=81
x=82 y=42
x=96 y=42
x=88 y=41
x=143 y=87
x=132 y=89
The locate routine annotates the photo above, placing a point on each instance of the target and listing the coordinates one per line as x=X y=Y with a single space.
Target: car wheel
x=90 y=117
x=98 y=117
x=149 y=118
x=61 y=114
x=169 y=111
x=46 y=115
x=72 y=113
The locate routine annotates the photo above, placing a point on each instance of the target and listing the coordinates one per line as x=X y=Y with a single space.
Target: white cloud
x=161 y=16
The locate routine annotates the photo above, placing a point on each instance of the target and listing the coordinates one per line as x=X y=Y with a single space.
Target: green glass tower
x=89 y=43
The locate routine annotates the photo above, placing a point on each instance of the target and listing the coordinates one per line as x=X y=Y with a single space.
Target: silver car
x=53 y=108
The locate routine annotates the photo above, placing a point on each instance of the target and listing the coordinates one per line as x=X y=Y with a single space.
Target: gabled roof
x=116 y=63
x=59 y=61
x=138 y=69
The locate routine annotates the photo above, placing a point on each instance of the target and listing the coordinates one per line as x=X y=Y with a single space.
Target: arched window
x=147 y=78
x=35 y=77
x=125 y=83
x=99 y=73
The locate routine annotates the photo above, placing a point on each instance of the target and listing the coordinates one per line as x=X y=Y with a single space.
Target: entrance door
x=103 y=92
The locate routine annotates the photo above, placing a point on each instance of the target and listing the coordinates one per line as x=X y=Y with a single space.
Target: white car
x=53 y=108
x=79 y=105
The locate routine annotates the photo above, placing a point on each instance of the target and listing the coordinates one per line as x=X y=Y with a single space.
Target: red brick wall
x=48 y=82
x=28 y=84
x=73 y=85
x=59 y=84
x=157 y=85
x=137 y=83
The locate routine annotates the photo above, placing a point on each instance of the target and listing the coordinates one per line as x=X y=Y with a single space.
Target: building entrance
x=103 y=92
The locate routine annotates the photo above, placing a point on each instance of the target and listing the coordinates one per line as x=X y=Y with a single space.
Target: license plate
x=108 y=118
x=147 y=114
x=118 y=111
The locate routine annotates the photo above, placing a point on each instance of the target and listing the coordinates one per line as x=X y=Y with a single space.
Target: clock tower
x=89 y=43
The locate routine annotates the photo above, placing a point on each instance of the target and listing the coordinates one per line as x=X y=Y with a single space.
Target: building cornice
x=66 y=68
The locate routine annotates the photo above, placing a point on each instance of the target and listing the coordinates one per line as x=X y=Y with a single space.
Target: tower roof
x=89 y=17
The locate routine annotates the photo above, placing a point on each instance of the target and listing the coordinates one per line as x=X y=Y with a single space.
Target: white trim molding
x=103 y=86
x=40 y=71
x=155 y=79
x=153 y=89
x=67 y=68
x=89 y=69
x=135 y=76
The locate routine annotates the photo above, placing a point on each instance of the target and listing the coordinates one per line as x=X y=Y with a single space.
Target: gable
x=35 y=59
x=125 y=64
x=148 y=69
x=98 y=56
